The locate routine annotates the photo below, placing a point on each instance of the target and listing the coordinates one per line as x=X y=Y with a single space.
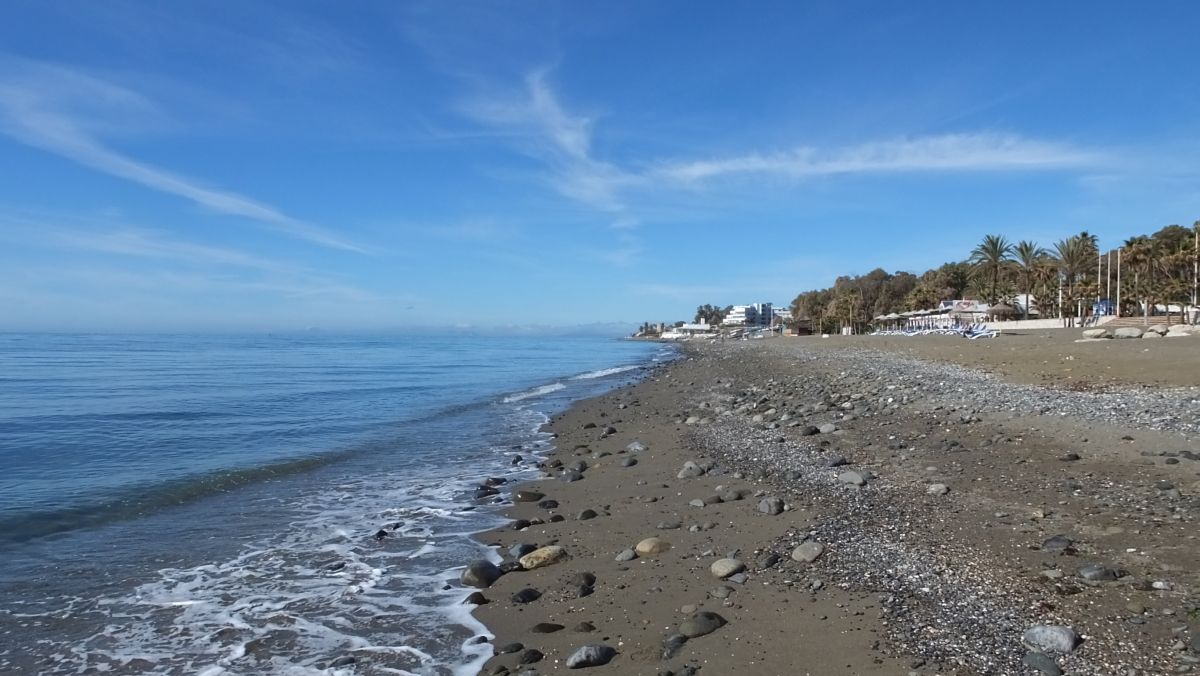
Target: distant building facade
x=754 y=315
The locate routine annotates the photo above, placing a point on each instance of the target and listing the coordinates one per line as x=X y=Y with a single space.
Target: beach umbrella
x=1002 y=310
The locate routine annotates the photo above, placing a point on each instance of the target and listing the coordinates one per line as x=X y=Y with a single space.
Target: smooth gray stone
x=1051 y=638
x=701 y=624
x=591 y=655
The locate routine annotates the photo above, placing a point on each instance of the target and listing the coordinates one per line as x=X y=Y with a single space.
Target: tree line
x=1061 y=281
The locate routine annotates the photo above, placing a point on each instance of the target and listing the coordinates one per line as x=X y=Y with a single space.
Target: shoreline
x=949 y=551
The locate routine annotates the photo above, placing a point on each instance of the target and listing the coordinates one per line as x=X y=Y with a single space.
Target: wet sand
x=983 y=501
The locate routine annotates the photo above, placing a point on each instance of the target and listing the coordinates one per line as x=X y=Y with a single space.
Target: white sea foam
x=322 y=587
x=590 y=375
x=535 y=392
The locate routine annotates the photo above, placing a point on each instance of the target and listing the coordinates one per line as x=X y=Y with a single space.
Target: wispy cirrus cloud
x=65 y=112
x=561 y=139
x=974 y=152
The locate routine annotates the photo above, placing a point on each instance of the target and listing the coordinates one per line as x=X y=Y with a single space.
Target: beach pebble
x=626 y=555
x=628 y=462
x=510 y=648
x=827 y=428
x=652 y=547
x=767 y=560
x=1051 y=638
x=544 y=556
x=701 y=624
x=721 y=592
x=480 y=574
x=636 y=447
x=475 y=599
x=592 y=655
x=808 y=552
x=525 y=495
x=530 y=656
x=937 y=489
x=723 y=568
x=1056 y=543
x=671 y=645
x=690 y=470
x=584 y=627
x=771 y=505
x=587 y=514
x=546 y=628
x=1099 y=573
x=571 y=476
x=853 y=478
x=526 y=595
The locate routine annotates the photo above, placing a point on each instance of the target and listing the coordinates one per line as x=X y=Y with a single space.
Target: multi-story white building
x=756 y=314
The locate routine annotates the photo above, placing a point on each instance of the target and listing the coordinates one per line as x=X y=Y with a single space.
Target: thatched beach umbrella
x=1002 y=310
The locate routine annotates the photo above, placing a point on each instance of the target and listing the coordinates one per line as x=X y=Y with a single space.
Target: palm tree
x=1028 y=256
x=1137 y=256
x=990 y=255
x=1074 y=256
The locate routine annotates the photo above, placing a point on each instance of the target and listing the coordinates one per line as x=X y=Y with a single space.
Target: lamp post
x=1118 y=282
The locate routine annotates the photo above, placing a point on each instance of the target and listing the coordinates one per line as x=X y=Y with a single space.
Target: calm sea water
x=210 y=505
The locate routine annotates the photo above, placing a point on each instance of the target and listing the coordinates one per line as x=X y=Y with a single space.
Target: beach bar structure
x=948 y=314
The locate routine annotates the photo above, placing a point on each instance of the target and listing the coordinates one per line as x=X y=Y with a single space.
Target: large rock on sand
x=592 y=655
x=544 y=556
x=701 y=624
x=1128 y=332
x=808 y=552
x=1051 y=638
x=1177 y=330
x=481 y=574
x=652 y=547
x=723 y=568
x=1096 y=333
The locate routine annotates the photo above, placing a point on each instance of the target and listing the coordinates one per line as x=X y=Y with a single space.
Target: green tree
x=1028 y=256
x=990 y=256
x=1074 y=256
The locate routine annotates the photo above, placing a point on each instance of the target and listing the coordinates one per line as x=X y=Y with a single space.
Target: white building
x=757 y=314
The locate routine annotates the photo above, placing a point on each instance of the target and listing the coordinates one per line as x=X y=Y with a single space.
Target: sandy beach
x=1024 y=505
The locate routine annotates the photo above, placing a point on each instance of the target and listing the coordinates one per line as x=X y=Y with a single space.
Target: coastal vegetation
x=1062 y=280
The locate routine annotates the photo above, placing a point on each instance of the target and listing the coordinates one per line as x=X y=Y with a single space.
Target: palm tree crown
x=990 y=255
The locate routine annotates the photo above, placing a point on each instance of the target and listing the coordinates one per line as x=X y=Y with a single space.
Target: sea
x=270 y=504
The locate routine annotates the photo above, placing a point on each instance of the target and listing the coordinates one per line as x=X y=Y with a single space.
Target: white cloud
x=63 y=112
x=949 y=152
x=560 y=139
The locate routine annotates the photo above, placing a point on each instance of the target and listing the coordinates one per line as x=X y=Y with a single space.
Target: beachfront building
x=754 y=315
x=686 y=331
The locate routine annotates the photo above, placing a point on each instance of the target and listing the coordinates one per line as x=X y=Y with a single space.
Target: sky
x=270 y=166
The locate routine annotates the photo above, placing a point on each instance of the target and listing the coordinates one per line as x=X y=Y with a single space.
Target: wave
x=590 y=375
x=535 y=392
x=145 y=499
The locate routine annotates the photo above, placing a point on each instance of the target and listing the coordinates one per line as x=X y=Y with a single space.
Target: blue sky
x=273 y=166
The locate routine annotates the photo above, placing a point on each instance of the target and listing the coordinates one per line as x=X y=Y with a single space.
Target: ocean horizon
x=265 y=504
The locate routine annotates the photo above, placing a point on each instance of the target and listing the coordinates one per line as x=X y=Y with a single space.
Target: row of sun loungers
x=972 y=332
